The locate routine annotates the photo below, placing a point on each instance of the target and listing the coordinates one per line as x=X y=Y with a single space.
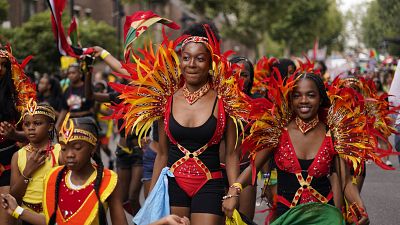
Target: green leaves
x=35 y=37
x=277 y=24
x=3 y=10
x=382 y=20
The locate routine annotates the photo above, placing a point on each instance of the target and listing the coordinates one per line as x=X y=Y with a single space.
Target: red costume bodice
x=287 y=161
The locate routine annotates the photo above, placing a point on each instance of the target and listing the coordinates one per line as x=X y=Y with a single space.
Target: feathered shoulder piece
x=376 y=106
x=226 y=82
x=262 y=71
x=269 y=117
x=358 y=118
x=24 y=88
x=154 y=77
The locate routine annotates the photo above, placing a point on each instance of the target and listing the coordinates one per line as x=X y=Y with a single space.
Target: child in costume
x=32 y=162
x=79 y=192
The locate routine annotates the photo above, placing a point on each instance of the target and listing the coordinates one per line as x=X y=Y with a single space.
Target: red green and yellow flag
x=138 y=23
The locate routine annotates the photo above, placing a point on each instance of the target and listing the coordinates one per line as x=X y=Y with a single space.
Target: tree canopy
x=382 y=21
x=292 y=24
x=3 y=10
x=35 y=37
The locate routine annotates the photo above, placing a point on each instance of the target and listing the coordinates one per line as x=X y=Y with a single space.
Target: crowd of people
x=193 y=126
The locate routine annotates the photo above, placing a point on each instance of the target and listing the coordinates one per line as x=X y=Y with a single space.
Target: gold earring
x=211 y=72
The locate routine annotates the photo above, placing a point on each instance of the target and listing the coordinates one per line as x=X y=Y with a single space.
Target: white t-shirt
x=394 y=92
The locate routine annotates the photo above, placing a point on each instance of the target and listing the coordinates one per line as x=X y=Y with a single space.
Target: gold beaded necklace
x=191 y=98
x=304 y=127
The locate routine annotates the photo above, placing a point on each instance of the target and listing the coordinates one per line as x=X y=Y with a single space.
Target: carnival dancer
x=79 y=192
x=194 y=112
x=247 y=198
x=305 y=130
x=31 y=163
x=15 y=91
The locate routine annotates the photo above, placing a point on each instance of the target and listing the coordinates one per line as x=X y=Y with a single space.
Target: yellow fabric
x=235 y=220
x=100 y=119
x=34 y=191
x=93 y=218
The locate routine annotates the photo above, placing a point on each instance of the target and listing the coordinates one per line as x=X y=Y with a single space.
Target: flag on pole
x=138 y=23
x=73 y=33
x=57 y=8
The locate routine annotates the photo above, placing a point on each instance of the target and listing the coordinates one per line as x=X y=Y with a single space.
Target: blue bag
x=156 y=205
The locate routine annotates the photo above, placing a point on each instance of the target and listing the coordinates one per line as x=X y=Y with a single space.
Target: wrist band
x=229 y=196
x=17 y=212
x=104 y=54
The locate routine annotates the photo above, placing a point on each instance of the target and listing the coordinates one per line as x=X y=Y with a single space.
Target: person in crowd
x=394 y=99
x=248 y=196
x=80 y=191
x=15 y=91
x=106 y=125
x=285 y=66
x=32 y=162
x=49 y=91
x=74 y=97
x=192 y=118
x=149 y=157
x=381 y=92
x=303 y=135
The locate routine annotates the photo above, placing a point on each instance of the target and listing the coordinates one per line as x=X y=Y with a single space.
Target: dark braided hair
x=88 y=124
x=197 y=29
x=246 y=62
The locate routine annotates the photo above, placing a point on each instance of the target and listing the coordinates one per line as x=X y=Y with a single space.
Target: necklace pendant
x=304 y=127
x=191 y=98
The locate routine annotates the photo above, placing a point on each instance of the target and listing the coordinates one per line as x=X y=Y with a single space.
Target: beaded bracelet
x=356 y=211
x=229 y=196
x=17 y=212
x=104 y=54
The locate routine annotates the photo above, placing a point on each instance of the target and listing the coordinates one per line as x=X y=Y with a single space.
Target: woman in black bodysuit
x=194 y=129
